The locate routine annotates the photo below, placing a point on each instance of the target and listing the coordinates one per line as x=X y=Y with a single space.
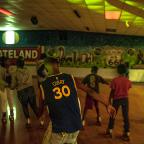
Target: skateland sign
x=30 y=54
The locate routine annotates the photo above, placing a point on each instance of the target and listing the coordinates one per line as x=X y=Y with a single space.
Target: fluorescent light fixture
x=93 y=2
x=10 y=37
x=75 y=1
x=6 y=12
x=96 y=7
x=112 y=15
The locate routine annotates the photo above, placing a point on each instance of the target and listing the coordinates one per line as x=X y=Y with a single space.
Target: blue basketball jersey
x=62 y=101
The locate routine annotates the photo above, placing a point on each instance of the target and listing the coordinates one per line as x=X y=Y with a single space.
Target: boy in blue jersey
x=64 y=108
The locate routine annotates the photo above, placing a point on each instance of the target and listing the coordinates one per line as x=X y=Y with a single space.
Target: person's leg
x=116 y=105
x=84 y=115
x=71 y=138
x=32 y=101
x=47 y=134
x=125 y=112
x=88 y=105
x=23 y=98
x=3 y=97
x=33 y=104
x=97 y=112
x=10 y=103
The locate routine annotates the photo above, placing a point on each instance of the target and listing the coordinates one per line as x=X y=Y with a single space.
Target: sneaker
x=99 y=120
x=28 y=125
x=98 y=123
x=126 y=137
x=11 y=117
x=83 y=123
x=41 y=124
x=109 y=133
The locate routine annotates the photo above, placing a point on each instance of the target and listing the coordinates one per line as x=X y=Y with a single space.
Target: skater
x=92 y=81
x=119 y=97
x=22 y=81
x=41 y=75
x=5 y=92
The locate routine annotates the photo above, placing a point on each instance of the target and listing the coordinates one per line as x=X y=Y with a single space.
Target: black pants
x=125 y=112
x=27 y=97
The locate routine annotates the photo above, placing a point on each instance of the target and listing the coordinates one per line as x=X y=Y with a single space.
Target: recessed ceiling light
x=112 y=15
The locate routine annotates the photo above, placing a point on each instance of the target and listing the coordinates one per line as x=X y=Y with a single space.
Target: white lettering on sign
x=5 y=53
x=22 y=53
x=29 y=54
x=15 y=56
x=34 y=54
x=10 y=53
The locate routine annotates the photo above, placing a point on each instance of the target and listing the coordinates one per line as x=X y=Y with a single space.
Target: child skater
x=42 y=74
x=119 y=97
x=5 y=93
x=92 y=81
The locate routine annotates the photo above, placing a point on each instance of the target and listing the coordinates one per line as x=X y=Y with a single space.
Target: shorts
x=59 y=138
x=89 y=102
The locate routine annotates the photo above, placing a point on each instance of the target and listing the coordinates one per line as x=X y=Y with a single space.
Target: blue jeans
x=125 y=112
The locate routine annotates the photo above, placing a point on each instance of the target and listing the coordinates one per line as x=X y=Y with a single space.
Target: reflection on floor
x=17 y=133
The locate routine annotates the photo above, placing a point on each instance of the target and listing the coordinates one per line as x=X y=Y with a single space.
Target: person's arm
x=90 y=92
x=2 y=77
x=43 y=100
x=112 y=92
x=103 y=81
x=111 y=96
x=13 y=81
x=96 y=96
x=3 y=83
x=85 y=80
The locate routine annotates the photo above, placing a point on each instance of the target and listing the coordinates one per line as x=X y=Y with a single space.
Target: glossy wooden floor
x=17 y=133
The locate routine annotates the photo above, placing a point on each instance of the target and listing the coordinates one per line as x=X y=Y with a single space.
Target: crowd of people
x=58 y=93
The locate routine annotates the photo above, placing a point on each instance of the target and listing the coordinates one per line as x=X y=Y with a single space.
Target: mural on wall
x=106 y=56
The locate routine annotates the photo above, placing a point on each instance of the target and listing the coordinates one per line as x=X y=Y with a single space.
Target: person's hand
x=111 y=110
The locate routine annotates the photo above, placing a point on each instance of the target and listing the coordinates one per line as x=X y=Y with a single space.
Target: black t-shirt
x=62 y=101
x=93 y=80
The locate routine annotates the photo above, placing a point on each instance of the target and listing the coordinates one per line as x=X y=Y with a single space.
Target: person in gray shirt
x=22 y=81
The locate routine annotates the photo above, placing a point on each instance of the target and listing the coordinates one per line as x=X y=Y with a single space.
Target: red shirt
x=120 y=85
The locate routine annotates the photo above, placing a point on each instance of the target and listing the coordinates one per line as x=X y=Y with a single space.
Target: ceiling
x=59 y=15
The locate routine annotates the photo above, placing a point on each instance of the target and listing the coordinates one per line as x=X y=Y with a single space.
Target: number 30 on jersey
x=61 y=91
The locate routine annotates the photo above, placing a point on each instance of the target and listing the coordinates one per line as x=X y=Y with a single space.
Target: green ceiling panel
x=97 y=7
x=76 y=1
x=109 y=7
x=93 y=2
x=102 y=6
